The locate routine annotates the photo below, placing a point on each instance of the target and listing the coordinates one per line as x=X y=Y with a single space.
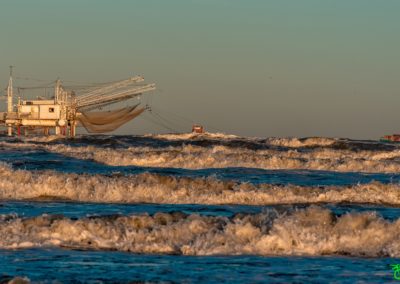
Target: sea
x=198 y=208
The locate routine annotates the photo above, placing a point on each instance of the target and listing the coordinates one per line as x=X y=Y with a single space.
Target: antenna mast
x=10 y=106
x=10 y=92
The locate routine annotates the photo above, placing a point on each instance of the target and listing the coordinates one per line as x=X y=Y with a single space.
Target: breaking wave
x=156 y=188
x=195 y=157
x=14 y=280
x=313 y=231
x=302 y=142
x=192 y=135
x=328 y=154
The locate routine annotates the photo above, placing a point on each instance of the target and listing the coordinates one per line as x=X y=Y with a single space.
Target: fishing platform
x=68 y=108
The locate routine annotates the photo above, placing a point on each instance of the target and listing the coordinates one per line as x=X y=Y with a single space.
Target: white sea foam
x=193 y=135
x=277 y=141
x=154 y=188
x=189 y=156
x=19 y=280
x=196 y=157
x=302 y=142
x=313 y=231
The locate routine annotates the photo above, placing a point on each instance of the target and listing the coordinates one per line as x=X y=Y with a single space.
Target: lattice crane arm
x=117 y=85
x=112 y=97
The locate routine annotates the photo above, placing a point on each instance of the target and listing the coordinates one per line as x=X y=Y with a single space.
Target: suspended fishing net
x=107 y=121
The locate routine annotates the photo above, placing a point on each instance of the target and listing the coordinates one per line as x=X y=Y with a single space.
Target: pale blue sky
x=261 y=68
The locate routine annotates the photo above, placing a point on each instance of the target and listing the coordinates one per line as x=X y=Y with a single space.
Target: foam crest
x=195 y=157
x=313 y=231
x=155 y=188
x=299 y=153
x=302 y=142
x=277 y=141
x=192 y=135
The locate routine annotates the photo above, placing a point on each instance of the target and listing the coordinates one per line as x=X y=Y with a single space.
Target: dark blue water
x=50 y=264
x=79 y=210
x=44 y=160
x=97 y=266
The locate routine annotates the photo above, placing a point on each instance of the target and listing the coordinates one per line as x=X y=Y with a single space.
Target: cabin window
x=51 y=109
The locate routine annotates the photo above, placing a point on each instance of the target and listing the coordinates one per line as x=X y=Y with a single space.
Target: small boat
x=390 y=138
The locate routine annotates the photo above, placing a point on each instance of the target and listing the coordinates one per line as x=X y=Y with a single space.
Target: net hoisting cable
x=159 y=123
x=30 y=79
x=165 y=120
x=180 y=117
x=149 y=119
